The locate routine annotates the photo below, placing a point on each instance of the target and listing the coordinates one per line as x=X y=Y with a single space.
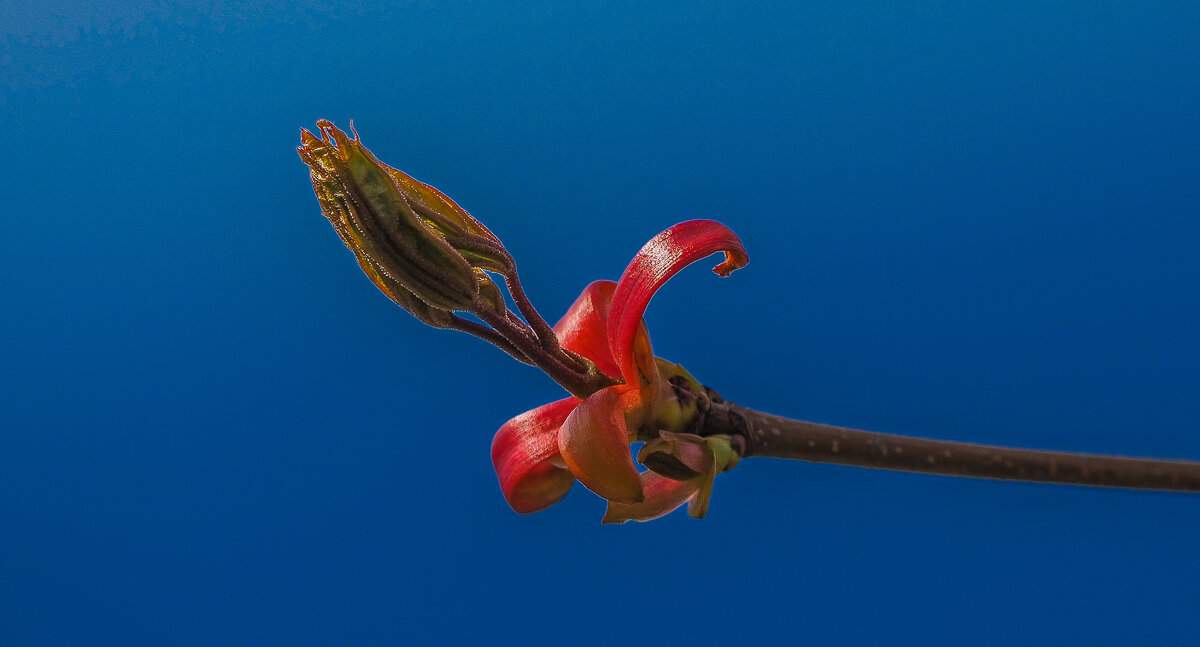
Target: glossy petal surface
x=584 y=329
x=522 y=451
x=594 y=442
x=658 y=261
x=663 y=495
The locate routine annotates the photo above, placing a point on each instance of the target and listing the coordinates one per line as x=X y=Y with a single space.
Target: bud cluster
x=429 y=255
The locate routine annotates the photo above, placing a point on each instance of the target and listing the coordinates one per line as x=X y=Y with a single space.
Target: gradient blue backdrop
x=974 y=221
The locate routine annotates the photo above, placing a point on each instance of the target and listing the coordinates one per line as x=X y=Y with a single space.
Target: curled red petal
x=659 y=260
x=584 y=329
x=663 y=495
x=522 y=451
x=594 y=442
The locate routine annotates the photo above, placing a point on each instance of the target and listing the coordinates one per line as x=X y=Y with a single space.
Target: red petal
x=584 y=329
x=594 y=442
x=662 y=496
x=659 y=260
x=521 y=453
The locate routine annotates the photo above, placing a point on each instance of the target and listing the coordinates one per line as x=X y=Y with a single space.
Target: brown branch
x=772 y=436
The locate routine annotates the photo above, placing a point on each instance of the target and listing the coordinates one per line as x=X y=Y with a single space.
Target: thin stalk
x=773 y=436
x=491 y=336
x=544 y=332
x=508 y=326
x=494 y=250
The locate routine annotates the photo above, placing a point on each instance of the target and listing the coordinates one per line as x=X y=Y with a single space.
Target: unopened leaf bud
x=363 y=201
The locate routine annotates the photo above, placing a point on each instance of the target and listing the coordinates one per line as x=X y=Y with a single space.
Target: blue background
x=974 y=221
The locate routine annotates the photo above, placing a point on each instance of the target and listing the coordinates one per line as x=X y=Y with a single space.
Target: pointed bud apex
x=306 y=139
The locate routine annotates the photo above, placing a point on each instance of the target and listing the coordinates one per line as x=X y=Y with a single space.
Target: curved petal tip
x=660 y=259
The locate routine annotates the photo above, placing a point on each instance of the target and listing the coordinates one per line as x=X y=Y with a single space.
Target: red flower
x=539 y=454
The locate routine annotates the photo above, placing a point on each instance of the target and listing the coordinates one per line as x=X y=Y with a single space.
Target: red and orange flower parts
x=434 y=260
x=539 y=454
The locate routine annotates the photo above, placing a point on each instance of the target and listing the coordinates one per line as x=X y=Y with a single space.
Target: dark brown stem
x=542 y=329
x=576 y=382
x=558 y=362
x=544 y=332
x=491 y=336
x=491 y=248
x=772 y=436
